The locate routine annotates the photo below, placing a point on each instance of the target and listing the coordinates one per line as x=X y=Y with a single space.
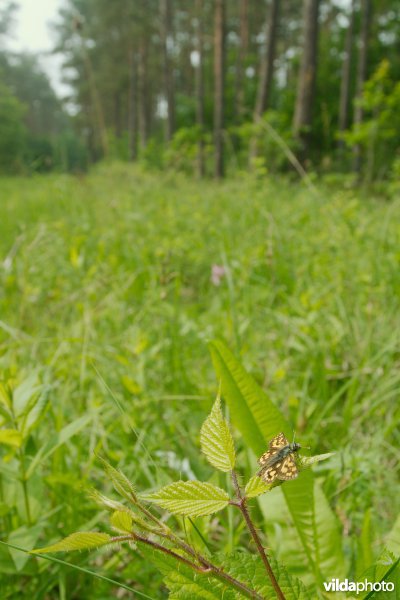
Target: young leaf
x=249 y=569
x=107 y=503
x=121 y=483
x=122 y=521
x=252 y=412
x=307 y=461
x=216 y=440
x=184 y=583
x=190 y=498
x=81 y=540
x=256 y=486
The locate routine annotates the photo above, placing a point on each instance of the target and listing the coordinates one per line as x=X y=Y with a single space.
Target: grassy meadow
x=107 y=307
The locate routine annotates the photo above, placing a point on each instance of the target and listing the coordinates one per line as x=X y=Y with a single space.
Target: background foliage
x=109 y=301
x=130 y=290
x=142 y=87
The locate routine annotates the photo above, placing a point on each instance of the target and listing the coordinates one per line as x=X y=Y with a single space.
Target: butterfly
x=279 y=461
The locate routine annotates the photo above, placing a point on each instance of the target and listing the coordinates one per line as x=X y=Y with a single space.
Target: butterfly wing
x=276 y=444
x=287 y=468
x=265 y=459
x=284 y=470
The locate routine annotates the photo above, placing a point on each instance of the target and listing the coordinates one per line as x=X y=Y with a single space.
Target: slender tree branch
x=241 y=504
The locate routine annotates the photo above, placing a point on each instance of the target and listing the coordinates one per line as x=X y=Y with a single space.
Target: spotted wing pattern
x=276 y=464
x=283 y=470
x=276 y=444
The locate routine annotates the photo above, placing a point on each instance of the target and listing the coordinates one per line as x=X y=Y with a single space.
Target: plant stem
x=24 y=484
x=243 y=509
x=182 y=559
x=205 y=565
x=22 y=471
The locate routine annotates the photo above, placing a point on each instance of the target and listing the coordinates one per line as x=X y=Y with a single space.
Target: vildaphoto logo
x=336 y=585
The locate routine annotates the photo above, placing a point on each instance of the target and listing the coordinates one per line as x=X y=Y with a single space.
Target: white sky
x=32 y=32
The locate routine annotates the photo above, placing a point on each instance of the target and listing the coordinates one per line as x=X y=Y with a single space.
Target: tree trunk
x=117 y=115
x=242 y=52
x=132 y=106
x=307 y=77
x=366 y=9
x=346 y=77
x=267 y=60
x=200 y=88
x=100 y=122
x=266 y=70
x=219 y=82
x=143 y=95
x=167 y=40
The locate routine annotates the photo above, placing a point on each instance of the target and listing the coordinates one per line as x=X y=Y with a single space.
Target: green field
x=107 y=307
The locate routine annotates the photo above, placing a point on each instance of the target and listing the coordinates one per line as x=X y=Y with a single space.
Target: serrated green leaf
x=259 y=420
x=249 y=569
x=81 y=540
x=190 y=498
x=256 y=486
x=121 y=483
x=216 y=440
x=122 y=521
x=308 y=461
x=184 y=583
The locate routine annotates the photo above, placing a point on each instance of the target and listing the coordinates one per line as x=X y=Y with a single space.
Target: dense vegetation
x=111 y=292
x=210 y=86
x=134 y=290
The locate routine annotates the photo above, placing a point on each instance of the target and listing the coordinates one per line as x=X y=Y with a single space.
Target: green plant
x=22 y=491
x=241 y=573
x=12 y=130
x=310 y=304
x=378 y=134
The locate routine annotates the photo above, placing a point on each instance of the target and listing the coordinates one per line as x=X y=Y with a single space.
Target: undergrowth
x=112 y=286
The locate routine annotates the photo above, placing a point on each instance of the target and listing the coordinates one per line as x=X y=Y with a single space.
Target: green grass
x=107 y=300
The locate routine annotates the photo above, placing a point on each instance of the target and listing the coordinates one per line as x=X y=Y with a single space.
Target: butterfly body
x=279 y=462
